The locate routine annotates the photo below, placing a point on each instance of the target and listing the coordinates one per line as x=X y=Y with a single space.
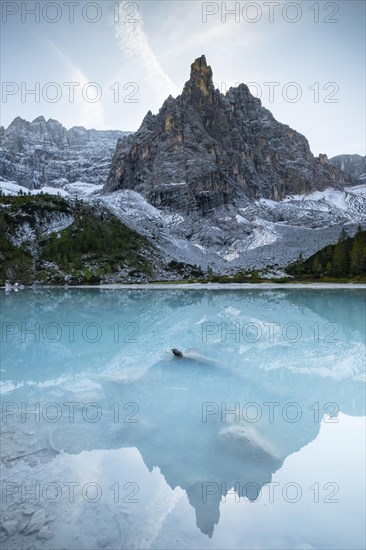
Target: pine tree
x=339 y=260
x=300 y=265
x=343 y=235
x=316 y=266
x=358 y=254
x=329 y=268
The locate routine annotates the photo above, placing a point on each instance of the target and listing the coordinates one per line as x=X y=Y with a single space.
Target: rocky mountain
x=353 y=167
x=204 y=150
x=212 y=180
x=43 y=153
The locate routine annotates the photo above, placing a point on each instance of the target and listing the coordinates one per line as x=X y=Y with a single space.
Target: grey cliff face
x=43 y=153
x=353 y=168
x=205 y=150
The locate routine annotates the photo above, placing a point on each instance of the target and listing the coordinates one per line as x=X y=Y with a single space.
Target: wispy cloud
x=90 y=115
x=133 y=41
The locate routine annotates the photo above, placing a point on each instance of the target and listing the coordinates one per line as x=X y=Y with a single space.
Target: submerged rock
x=35 y=524
x=45 y=533
x=9 y=528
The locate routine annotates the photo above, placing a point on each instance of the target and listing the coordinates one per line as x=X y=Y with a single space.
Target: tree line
x=347 y=258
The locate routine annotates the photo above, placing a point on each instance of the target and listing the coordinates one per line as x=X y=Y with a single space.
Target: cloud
x=90 y=115
x=133 y=41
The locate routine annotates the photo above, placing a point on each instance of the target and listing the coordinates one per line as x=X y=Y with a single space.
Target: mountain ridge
x=43 y=153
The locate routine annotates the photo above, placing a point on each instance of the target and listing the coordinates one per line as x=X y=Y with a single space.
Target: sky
x=104 y=64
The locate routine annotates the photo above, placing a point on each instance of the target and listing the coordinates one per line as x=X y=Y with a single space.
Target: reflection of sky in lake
x=178 y=467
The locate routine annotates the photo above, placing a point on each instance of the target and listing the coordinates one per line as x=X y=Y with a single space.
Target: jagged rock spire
x=201 y=78
x=200 y=69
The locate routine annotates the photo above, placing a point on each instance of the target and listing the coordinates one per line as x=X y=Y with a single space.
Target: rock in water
x=35 y=524
x=205 y=149
x=9 y=527
x=45 y=533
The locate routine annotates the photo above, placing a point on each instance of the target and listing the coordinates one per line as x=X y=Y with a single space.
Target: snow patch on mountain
x=81 y=190
x=131 y=206
x=50 y=191
x=10 y=188
x=264 y=234
x=338 y=199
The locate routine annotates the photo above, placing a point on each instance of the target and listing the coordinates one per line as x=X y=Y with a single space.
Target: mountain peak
x=200 y=66
x=17 y=122
x=201 y=77
x=220 y=149
x=40 y=119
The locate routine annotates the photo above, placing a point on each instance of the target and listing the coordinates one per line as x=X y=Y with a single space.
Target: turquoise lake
x=255 y=439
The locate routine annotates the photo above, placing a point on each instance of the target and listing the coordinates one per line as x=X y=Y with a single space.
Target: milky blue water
x=254 y=439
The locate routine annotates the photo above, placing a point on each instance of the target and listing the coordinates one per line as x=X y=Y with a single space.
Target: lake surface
x=255 y=439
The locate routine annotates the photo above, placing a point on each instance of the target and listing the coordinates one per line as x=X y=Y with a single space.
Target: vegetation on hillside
x=47 y=239
x=93 y=247
x=344 y=260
